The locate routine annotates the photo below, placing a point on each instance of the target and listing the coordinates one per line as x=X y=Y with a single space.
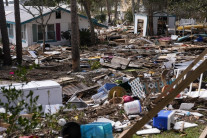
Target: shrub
x=85 y=36
x=94 y=64
x=14 y=106
x=129 y=16
x=101 y=17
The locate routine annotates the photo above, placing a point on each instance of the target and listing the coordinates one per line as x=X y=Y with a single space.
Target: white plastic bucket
x=133 y=107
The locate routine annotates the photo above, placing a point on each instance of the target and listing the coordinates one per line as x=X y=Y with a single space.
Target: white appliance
x=49 y=92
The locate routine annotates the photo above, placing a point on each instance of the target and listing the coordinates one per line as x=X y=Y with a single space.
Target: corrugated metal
x=72 y=88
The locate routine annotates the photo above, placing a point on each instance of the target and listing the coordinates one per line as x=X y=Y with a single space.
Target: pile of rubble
x=119 y=82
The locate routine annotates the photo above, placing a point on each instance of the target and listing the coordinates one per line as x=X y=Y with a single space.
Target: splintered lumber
x=182 y=75
x=117 y=62
x=165 y=101
x=120 y=61
x=77 y=88
x=111 y=65
x=204 y=133
x=120 y=40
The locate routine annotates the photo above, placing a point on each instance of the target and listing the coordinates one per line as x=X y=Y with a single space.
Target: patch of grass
x=194 y=132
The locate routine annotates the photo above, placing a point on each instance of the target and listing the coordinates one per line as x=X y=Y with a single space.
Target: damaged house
x=161 y=23
x=59 y=21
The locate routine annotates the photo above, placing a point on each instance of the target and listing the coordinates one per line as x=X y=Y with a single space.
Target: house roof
x=26 y=17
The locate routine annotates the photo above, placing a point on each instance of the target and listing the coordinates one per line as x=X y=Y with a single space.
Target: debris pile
x=119 y=83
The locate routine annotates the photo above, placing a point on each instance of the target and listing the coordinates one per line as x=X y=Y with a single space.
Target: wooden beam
x=204 y=133
x=153 y=112
x=181 y=75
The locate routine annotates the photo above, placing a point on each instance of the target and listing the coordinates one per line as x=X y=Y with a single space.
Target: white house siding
x=12 y=40
x=144 y=18
x=65 y=22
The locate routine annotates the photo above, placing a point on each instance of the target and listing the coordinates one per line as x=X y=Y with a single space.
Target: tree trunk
x=75 y=41
x=116 y=12
x=4 y=34
x=18 y=32
x=44 y=37
x=138 y=5
x=150 y=23
x=86 y=5
x=7 y=3
x=101 y=9
x=133 y=8
x=108 y=11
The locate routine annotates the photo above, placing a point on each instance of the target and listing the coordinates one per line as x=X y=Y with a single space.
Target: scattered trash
x=97 y=129
x=62 y=122
x=164 y=119
x=127 y=98
x=148 y=131
x=178 y=125
x=186 y=106
x=133 y=107
x=71 y=129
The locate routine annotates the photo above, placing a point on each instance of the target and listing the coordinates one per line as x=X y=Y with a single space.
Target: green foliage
x=188 y=9
x=101 y=18
x=94 y=64
x=66 y=35
x=14 y=106
x=49 y=3
x=15 y=102
x=22 y=71
x=85 y=36
x=129 y=16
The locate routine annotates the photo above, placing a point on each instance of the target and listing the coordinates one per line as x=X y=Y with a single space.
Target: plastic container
x=164 y=119
x=97 y=130
x=133 y=107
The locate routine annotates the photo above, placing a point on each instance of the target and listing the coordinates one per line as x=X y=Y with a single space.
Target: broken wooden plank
x=133 y=65
x=88 y=88
x=120 y=60
x=204 y=133
x=120 y=40
x=64 y=80
x=153 y=112
x=72 y=88
x=98 y=77
x=77 y=88
x=111 y=65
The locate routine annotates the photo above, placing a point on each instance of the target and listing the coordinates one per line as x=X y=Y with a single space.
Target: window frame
x=53 y=31
x=23 y=32
x=58 y=14
x=46 y=33
x=10 y=29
